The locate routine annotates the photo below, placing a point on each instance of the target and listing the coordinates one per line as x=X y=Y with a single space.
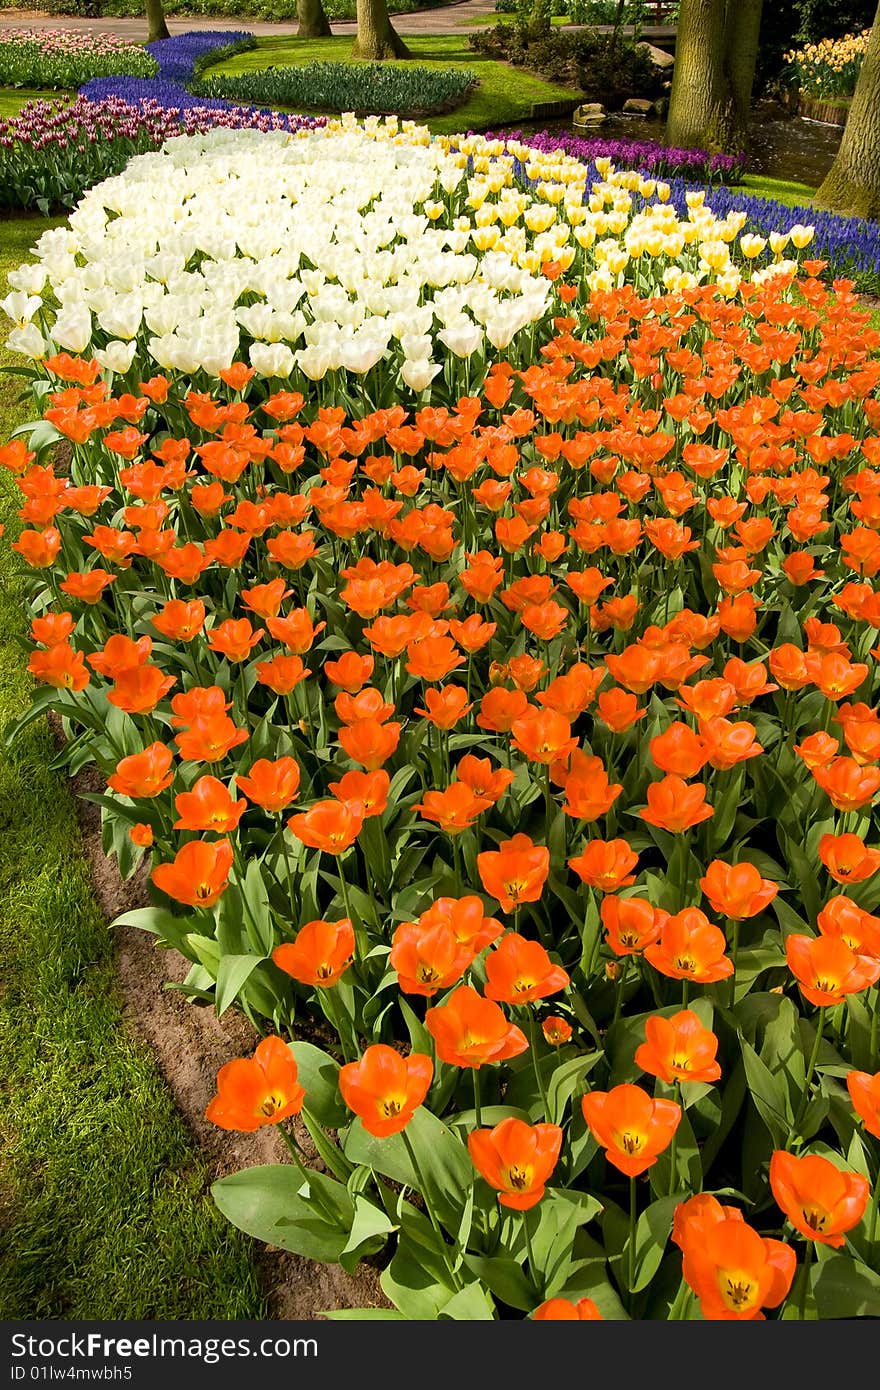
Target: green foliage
x=602 y=67
x=278 y=10
x=374 y=88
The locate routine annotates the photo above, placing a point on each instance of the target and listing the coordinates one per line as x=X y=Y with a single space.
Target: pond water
x=782 y=148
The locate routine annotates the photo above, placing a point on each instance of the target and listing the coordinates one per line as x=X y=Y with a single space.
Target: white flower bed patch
x=314 y=252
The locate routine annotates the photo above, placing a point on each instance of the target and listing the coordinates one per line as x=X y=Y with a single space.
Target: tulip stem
x=875 y=1023
x=631 y=1252
x=287 y=869
x=529 y=1250
x=359 y=936
x=673 y=1145
x=478 y=1109
x=805 y=1282
x=533 y=1039
x=734 y=949
x=684 y=993
x=432 y=1215
x=296 y=1154
x=811 y=1067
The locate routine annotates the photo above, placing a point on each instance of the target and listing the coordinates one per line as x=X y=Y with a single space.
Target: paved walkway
x=449 y=19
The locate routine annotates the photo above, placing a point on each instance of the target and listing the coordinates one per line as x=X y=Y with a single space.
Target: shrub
x=470 y=674
x=235 y=9
x=374 y=88
x=61 y=58
x=603 y=67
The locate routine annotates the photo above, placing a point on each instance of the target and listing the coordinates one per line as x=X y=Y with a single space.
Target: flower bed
x=179 y=59
x=51 y=152
x=65 y=58
x=469 y=595
x=829 y=68
x=649 y=156
x=372 y=88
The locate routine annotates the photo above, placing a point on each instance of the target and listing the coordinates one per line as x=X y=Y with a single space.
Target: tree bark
x=715 y=54
x=313 y=22
x=852 y=184
x=376 y=36
x=156 y=26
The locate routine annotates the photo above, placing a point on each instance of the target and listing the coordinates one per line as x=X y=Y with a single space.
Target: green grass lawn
x=504 y=95
x=12 y=99
x=104 y=1201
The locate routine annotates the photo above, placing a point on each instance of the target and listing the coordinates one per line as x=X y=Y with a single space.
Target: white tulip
x=28 y=341
x=271 y=359
x=116 y=356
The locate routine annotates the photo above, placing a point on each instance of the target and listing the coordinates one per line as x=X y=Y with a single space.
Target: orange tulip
x=282 y=674
x=351 y=671
x=631 y=1126
x=198 y=874
x=139 y=689
x=737 y=890
x=588 y=792
x=428 y=956
x=60 y=667
x=827 y=970
x=690 y=948
x=432 y=658
x=864 y=1092
x=679 y=750
x=516 y=1159
x=330 y=826
x=445 y=707
x=678 y=1049
x=563 y=1310
x=519 y=970
x=857 y=929
x=209 y=740
x=821 y=1201
x=365 y=792
x=179 y=620
x=369 y=743
x=454 y=810
x=384 y=1089
x=208 y=806
x=733 y=1271
x=847 y=858
x=728 y=743
x=556 y=1030
x=848 y=785
x=542 y=736
x=320 y=955
x=143 y=774
x=270 y=785
x=258 y=1090
x=235 y=639
x=605 y=865
x=515 y=873
x=469 y=1031
x=484 y=779
x=499 y=708
x=631 y=924
x=619 y=709
x=466 y=918
x=675 y=806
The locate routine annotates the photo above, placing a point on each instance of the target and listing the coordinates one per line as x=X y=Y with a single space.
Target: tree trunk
x=376 y=37
x=852 y=184
x=156 y=26
x=715 y=54
x=313 y=22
